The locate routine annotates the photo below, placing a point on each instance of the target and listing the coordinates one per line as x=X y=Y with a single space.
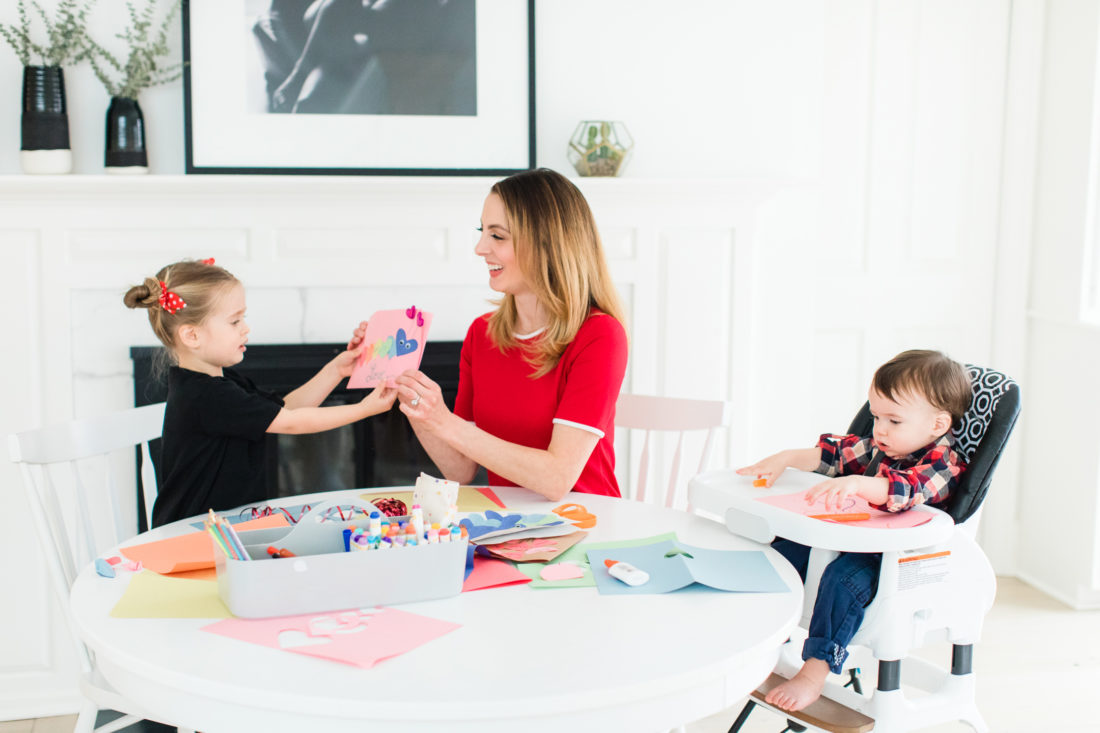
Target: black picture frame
x=226 y=68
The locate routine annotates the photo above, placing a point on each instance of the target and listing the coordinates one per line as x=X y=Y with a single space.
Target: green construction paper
x=578 y=555
x=152 y=595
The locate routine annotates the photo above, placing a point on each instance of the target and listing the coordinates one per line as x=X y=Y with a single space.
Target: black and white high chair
x=935 y=584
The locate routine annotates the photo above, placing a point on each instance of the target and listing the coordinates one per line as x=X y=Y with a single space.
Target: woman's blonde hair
x=196 y=283
x=559 y=252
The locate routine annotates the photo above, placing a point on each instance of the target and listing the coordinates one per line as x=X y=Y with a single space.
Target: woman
x=539 y=376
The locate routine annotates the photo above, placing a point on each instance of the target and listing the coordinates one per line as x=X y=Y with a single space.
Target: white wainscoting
x=316 y=256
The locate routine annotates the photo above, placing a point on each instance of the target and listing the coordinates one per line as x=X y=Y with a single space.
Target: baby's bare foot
x=802 y=689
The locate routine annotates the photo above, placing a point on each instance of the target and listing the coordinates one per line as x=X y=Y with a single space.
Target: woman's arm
x=453 y=465
x=457 y=447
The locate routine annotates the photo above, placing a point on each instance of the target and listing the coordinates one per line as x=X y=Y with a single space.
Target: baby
x=916 y=399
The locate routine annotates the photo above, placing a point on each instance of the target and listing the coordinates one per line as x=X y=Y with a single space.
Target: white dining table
x=524 y=659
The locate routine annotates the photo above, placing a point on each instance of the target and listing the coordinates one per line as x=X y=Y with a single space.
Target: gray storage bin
x=322 y=577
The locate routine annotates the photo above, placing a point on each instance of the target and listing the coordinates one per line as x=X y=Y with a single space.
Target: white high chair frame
x=68 y=549
x=912 y=608
x=655 y=414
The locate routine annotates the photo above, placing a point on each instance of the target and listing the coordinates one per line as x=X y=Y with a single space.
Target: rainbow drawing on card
x=394 y=342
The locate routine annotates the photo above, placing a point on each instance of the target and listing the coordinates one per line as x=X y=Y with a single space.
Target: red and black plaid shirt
x=926 y=476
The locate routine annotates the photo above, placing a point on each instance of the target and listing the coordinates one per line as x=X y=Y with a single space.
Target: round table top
x=524 y=658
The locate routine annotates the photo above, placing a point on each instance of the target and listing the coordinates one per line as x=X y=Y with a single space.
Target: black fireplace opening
x=379 y=451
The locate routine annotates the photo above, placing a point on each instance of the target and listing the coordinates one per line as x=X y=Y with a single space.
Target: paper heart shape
x=291 y=638
x=561 y=571
x=405 y=345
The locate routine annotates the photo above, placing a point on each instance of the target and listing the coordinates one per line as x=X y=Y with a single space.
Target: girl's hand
x=421 y=400
x=768 y=469
x=344 y=362
x=357 y=336
x=379 y=400
x=836 y=491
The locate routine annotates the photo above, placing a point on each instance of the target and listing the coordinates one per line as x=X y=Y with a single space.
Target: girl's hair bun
x=145 y=295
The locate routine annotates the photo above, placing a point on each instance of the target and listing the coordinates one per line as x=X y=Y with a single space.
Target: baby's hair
x=928 y=374
x=196 y=283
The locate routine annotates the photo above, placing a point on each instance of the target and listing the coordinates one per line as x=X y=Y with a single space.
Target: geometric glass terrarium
x=599 y=148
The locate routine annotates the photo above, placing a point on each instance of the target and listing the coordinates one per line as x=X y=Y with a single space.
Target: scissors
x=576 y=514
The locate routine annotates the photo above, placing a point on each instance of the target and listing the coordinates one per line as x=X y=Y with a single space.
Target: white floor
x=1038 y=669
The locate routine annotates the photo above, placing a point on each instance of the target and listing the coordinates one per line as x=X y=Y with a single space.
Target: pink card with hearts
x=394 y=343
x=360 y=637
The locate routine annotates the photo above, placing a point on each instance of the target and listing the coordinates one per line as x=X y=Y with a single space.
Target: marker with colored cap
x=626 y=572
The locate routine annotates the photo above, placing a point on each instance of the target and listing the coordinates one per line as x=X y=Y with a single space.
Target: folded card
x=393 y=343
x=673 y=565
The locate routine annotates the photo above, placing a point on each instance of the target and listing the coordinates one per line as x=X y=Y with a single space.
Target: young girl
x=215 y=420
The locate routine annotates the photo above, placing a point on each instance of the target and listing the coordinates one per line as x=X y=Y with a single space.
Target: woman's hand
x=422 y=400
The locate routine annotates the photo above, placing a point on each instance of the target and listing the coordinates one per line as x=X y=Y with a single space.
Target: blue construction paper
x=745 y=571
x=493 y=523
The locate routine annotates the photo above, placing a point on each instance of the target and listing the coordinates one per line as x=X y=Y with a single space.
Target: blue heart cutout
x=405 y=345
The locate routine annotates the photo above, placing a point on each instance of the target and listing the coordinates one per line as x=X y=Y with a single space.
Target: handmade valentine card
x=394 y=342
x=360 y=637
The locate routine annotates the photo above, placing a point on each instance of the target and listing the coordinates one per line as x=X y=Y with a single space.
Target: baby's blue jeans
x=847 y=586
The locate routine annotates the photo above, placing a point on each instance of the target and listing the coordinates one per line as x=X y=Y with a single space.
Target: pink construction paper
x=360 y=637
x=489 y=572
x=394 y=343
x=853 y=504
x=561 y=571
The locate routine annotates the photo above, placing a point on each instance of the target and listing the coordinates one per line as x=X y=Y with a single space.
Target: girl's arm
x=457 y=447
x=299 y=420
x=314 y=392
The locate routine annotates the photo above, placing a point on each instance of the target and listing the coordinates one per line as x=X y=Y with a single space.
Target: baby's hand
x=768 y=469
x=835 y=492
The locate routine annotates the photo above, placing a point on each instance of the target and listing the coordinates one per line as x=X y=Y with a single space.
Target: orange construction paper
x=192 y=551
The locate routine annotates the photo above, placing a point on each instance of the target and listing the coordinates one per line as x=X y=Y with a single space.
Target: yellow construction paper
x=151 y=595
x=470 y=499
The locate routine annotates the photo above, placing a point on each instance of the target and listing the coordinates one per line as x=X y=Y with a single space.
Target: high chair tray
x=733 y=499
x=322 y=577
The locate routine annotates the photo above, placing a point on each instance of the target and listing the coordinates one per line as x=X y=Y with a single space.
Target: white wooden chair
x=54 y=462
x=652 y=414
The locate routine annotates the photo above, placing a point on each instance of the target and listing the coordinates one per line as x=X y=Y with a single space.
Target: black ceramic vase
x=125 y=147
x=45 y=123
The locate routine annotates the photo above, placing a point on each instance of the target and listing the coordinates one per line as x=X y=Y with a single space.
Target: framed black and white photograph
x=388 y=87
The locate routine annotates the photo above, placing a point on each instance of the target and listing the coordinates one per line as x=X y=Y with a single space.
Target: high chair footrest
x=822 y=713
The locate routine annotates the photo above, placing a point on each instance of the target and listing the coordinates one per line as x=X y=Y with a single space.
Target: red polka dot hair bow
x=207 y=261
x=169 y=301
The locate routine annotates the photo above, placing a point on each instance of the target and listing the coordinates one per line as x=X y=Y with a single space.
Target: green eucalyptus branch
x=143 y=67
x=66 y=33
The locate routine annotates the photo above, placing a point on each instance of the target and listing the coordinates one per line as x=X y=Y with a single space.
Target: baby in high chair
x=916 y=399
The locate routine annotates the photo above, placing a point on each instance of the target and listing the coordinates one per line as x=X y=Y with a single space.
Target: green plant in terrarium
x=148 y=45
x=599 y=148
x=66 y=34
